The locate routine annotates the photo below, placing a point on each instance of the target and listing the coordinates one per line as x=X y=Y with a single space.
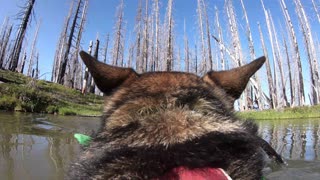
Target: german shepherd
x=156 y=122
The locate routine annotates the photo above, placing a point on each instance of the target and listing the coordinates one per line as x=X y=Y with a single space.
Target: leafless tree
x=65 y=59
x=105 y=52
x=311 y=52
x=86 y=74
x=138 y=31
x=76 y=70
x=219 y=39
x=237 y=52
x=186 y=50
x=27 y=11
x=4 y=43
x=145 y=42
x=205 y=13
x=271 y=38
x=37 y=67
x=117 y=51
x=61 y=45
x=300 y=83
x=289 y=72
x=157 y=33
x=202 y=37
x=283 y=98
x=33 y=49
x=92 y=86
x=255 y=93
x=169 y=36
x=316 y=10
x=23 y=62
x=268 y=68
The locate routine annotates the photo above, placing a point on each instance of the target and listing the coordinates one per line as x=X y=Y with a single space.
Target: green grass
x=287 y=113
x=21 y=93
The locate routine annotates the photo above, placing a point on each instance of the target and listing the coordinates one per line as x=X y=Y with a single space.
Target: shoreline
x=24 y=94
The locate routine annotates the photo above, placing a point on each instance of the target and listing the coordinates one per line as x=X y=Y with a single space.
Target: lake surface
x=34 y=146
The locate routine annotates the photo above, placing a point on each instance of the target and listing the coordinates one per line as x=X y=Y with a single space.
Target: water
x=41 y=146
x=298 y=142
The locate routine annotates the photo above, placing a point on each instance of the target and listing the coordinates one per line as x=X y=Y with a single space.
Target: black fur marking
x=211 y=150
x=124 y=131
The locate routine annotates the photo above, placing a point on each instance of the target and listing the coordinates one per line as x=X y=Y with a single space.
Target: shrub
x=8 y=102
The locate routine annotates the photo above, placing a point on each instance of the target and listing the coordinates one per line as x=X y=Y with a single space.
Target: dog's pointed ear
x=107 y=77
x=234 y=81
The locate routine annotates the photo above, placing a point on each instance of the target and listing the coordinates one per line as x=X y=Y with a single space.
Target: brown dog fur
x=154 y=122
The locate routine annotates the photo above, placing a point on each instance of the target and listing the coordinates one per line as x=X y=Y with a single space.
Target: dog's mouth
x=183 y=173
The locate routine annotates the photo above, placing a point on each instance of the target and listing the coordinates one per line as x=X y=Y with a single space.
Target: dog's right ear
x=107 y=77
x=234 y=81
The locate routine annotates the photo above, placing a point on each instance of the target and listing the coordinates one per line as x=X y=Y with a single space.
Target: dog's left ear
x=234 y=81
x=106 y=77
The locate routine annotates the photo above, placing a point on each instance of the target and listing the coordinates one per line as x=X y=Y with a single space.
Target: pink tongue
x=183 y=173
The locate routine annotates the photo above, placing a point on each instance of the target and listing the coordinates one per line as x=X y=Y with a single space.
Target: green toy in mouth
x=82 y=139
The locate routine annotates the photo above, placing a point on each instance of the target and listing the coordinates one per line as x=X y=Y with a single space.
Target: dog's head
x=157 y=121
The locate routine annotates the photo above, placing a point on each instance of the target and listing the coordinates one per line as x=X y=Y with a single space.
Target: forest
x=290 y=76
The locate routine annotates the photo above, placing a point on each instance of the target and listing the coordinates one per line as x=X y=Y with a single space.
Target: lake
x=35 y=146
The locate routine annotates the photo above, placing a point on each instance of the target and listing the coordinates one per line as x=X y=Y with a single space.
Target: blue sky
x=101 y=19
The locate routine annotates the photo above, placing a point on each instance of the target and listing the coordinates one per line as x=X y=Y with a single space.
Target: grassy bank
x=287 y=113
x=21 y=93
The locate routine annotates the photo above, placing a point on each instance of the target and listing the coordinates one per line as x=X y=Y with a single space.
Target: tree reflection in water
x=35 y=147
x=296 y=139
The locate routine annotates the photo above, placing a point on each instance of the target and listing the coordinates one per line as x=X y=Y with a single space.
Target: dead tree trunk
x=33 y=46
x=131 y=55
x=208 y=35
x=144 y=60
x=75 y=80
x=316 y=10
x=268 y=68
x=220 y=39
x=37 y=66
x=3 y=33
x=255 y=93
x=186 y=50
x=169 y=45
x=202 y=38
x=151 y=42
x=23 y=62
x=138 y=30
x=236 y=47
x=4 y=27
x=157 y=34
x=62 y=71
x=86 y=73
x=311 y=52
x=275 y=79
x=196 y=58
x=20 y=36
x=300 y=84
x=289 y=71
x=105 y=52
x=95 y=55
x=118 y=36
x=283 y=99
x=61 y=46
x=4 y=45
